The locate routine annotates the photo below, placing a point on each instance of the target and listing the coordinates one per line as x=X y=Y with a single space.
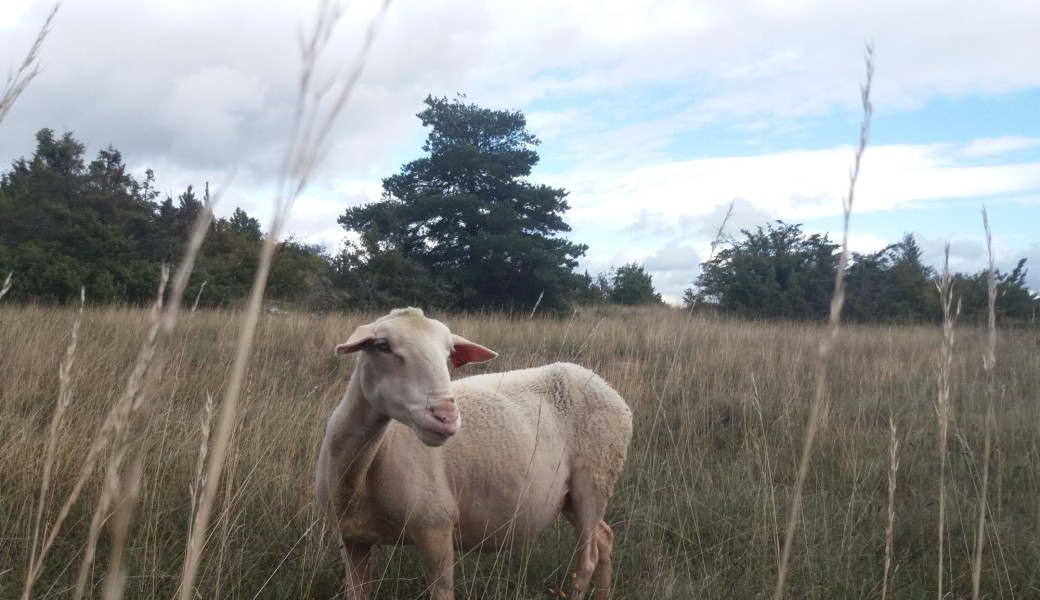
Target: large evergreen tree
x=467 y=216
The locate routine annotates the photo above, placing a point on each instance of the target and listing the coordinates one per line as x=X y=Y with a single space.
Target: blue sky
x=654 y=115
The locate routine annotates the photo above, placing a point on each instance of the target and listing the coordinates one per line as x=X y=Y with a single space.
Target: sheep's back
x=561 y=414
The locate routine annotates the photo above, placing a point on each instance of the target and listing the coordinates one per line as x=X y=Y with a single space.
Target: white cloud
x=791 y=185
x=865 y=243
x=207 y=132
x=204 y=91
x=12 y=12
x=996 y=147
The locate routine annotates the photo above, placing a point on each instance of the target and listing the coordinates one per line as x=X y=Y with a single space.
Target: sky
x=655 y=116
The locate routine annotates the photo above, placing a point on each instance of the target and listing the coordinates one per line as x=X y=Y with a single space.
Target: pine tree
x=466 y=214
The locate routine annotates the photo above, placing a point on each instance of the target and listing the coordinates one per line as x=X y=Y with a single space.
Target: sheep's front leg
x=355 y=561
x=438 y=562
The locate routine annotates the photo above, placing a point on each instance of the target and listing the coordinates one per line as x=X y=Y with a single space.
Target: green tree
x=295 y=266
x=466 y=215
x=376 y=275
x=630 y=284
x=176 y=221
x=64 y=225
x=776 y=271
x=591 y=290
x=246 y=226
x=891 y=284
x=1014 y=302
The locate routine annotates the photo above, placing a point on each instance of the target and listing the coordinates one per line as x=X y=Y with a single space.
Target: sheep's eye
x=382 y=346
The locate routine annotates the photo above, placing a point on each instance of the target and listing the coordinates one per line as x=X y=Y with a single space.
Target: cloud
x=672 y=257
x=206 y=133
x=865 y=243
x=794 y=186
x=13 y=12
x=996 y=147
x=655 y=115
x=673 y=269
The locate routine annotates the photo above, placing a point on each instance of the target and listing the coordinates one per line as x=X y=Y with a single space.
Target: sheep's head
x=403 y=370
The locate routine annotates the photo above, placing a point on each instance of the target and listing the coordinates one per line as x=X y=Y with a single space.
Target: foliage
x=591 y=290
x=779 y=271
x=376 y=275
x=66 y=224
x=776 y=271
x=1013 y=301
x=465 y=220
x=891 y=284
x=628 y=284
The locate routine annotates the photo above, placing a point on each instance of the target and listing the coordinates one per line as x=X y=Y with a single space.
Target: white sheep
x=536 y=443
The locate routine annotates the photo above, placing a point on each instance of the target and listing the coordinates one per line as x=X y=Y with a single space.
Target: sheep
x=536 y=443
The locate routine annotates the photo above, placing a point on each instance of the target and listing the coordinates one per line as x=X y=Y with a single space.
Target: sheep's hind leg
x=594 y=543
x=605 y=545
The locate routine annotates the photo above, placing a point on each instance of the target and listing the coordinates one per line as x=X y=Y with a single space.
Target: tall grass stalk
x=989 y=361
x=720 y=232
x=132 y=412
x=28 y=70
x=828 y=339
x=893 y=469
x=7 y=285
x=312 y=122
x=195 y=488
x=121 y=421
x=50 y=450
x=942 y=404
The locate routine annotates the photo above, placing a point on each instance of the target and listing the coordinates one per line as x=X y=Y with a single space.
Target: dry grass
x=720 y=411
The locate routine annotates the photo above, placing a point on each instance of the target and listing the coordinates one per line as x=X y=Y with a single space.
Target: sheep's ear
x=465 y=351
x=361 y=336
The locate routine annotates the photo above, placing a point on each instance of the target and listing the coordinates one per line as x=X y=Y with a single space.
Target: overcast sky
x=655 y=116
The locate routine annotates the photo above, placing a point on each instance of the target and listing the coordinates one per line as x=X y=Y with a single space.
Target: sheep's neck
x=354 y=446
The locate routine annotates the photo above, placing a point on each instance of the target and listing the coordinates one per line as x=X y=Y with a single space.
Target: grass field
x=700 y=511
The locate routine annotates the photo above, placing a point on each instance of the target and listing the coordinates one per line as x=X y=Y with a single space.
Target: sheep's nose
x=446 y=411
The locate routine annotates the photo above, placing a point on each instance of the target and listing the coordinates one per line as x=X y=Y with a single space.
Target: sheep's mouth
x=433 y=437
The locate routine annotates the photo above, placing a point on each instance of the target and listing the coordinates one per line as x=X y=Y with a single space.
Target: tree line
x=66 y=223
x=462 y=228
x=779 y=271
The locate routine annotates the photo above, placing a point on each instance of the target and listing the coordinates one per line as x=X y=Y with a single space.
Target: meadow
x=720 y=408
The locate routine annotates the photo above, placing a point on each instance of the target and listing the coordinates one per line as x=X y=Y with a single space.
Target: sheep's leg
x=594 y=538
x=355 y=560
x=592 y=558
x=438 y=562
x=605 y=545
x=586 y=557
